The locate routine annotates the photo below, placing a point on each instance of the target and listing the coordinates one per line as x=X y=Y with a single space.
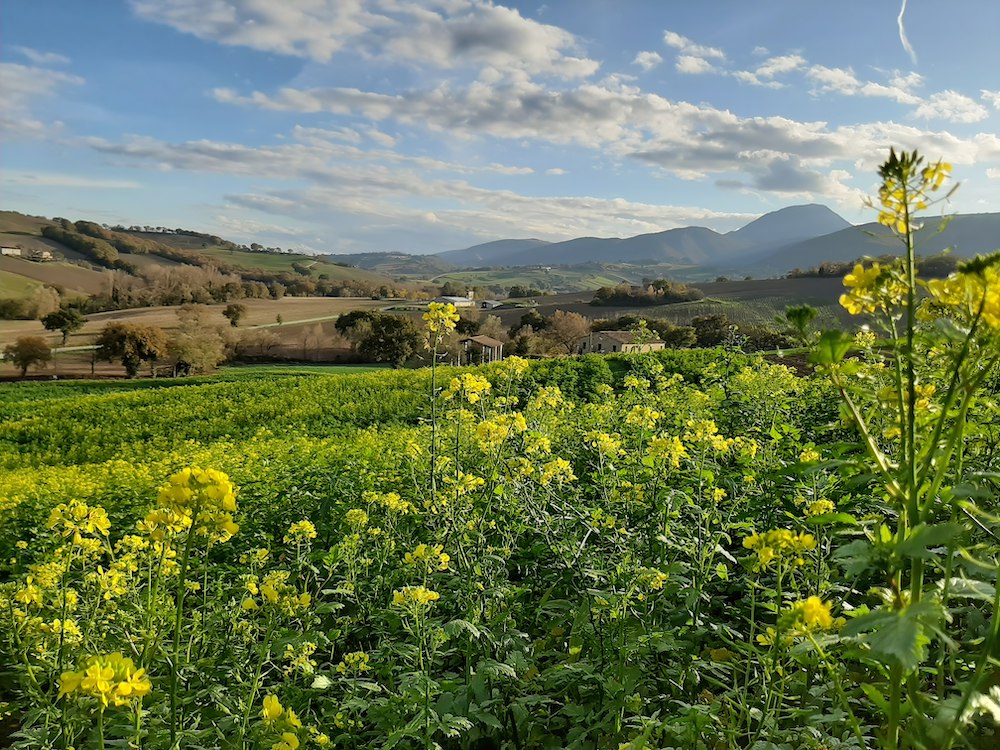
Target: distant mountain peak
x=694 y=245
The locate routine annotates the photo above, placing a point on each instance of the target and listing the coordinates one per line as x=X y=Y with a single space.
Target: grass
x=283 y=263
x=15 y=286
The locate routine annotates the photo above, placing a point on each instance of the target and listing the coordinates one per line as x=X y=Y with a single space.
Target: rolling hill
x=966 y=235
x=85 y=251
x=684 y=245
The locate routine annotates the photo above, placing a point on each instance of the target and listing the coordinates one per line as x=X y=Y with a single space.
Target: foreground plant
x=929 y=640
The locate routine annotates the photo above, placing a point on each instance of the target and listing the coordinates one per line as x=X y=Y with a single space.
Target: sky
x=428 y=125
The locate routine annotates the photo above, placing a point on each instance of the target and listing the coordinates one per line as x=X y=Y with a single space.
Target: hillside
x=86 y=251
x=965 y=234
x=497 y=253
x=394 y=264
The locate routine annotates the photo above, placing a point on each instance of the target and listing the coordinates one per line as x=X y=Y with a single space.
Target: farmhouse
x=12 y=251
x=602 y=342
x=480 y=350
x=40 y=256
x=489 y=304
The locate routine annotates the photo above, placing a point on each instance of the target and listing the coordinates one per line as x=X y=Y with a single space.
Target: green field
x=547 y=555
x=283 y=263
x=15 y=286
x=560 y=279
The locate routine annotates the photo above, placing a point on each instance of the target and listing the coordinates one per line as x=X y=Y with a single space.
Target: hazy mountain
x=966 y=234
x=788 y=225
x=687 y=245
x=682 y=246
x=494 y=253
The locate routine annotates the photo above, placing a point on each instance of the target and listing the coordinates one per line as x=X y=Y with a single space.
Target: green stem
x=255 y=682
x=178 y=622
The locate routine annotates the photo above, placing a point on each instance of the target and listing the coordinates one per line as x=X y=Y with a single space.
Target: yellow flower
x=670 y=450
x=289 y=741
x=110 y=678
x=76 y=519
x=471 y=387
x=356 y=518
x=441 y=317
x=811 y=614
x=816 y=613
x=272 y=709
x=410 y=596
x=355 y=662
x=300 y=531
x=428 y=557
x=779 y=544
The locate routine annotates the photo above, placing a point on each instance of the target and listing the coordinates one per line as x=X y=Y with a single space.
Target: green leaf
x=833 y=346
x=875 y=696
x=968 y=588
x=856 y=557
x=897 y=637
x=455 y=627
x=830 y=518
x=924 y=539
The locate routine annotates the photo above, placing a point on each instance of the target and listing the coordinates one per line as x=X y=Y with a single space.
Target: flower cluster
x=906 y=189
x=705 y=432
x=973 y=291
x=468 y=386
x=493 y=433
x=668 y=449
x=300 y=531
x=202 y=499
x=283 y=720
x=76 y=520
x=409 y=597
x=300 y=659
x=428 y=558
x=441 y=317
x=274 y=590
x=111 y=678
x=779 y=544
x=354 y=663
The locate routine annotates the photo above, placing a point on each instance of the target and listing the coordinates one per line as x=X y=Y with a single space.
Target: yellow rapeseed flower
x=272 y=709
x=300 y=531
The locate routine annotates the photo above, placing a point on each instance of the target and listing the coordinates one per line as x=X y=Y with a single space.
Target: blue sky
x=359 y=125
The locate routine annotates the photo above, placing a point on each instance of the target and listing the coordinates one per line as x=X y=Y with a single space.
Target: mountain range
x=698 y=246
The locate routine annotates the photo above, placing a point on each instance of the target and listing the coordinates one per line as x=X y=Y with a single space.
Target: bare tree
x=564 y=331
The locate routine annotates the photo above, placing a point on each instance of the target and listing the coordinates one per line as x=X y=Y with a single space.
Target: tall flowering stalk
x=939 y=333
x=441 y=318
x=199 y=503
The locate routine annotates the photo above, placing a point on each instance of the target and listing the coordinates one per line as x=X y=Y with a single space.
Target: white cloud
x=22 y=85
x=745 y=76
x=689 y=141
x=993 y=173
x=556 y=171
x=843 y=81
x=40 y=57
x=686 y=46
x=647 y=60
x=952 y=106
x=992 y=97
x=447 y=35
x=694 y=65
x=53 y=179
x=778 y=65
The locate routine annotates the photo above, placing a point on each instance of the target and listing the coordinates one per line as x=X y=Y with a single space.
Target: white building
x=12 y=251
x=466 y=301
x=606 y=342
